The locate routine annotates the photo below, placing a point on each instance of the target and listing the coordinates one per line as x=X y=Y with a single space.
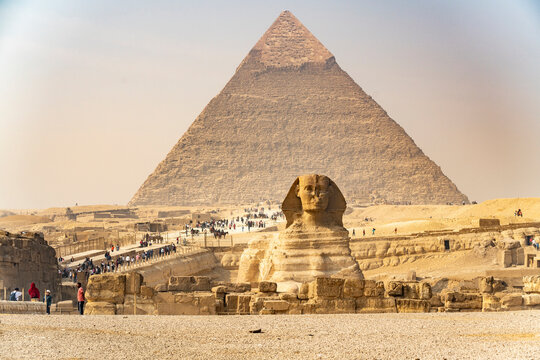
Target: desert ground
x=508 y=335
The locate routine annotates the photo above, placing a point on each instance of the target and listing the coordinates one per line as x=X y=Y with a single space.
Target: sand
x=418 y=218
x=506 y=335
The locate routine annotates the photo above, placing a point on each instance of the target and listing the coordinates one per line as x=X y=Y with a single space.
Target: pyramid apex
x=287 y=42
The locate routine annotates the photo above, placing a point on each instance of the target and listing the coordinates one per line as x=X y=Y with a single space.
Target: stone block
x=353 y=288
x=490 y=303
x=303 y=292
x=531 y=284
x=295 y=308
x=66 y=305
x=376 y=305
x=189 y=283
x=425 y=291
x=146 y=292
x=243 y=304
x=520 y=256
x=220 y=305
x=231 y=303
x=416 y=290
x=373 y=288
x=436 y=302
x=510 y=301
x=189 y=304
x=457 y=301
x=267 y=286
x=99 y=308
x=334 y=306
x=490 y=285
x=531 y=299
x=219 y=290
x=144 y=306
x=275 y=305
x=256 y=304
x=485 y=284
x=412 y=305
x=288 y=297
x=133 y=282
x=505 y=258
x=21 y=307
x=395 y=288
x=164 y=297
x=175 y=309
x=109 y=288
x=234 y=287
x=327 y=287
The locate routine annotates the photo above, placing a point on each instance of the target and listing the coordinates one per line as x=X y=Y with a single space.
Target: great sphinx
x=313 y=243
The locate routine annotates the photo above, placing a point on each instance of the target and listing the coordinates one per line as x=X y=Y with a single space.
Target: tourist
x=373 y=231
x=16 y=295
x=395 y=231
x=48 y=301
x=363 y=232
x=353 y=233
x=80 y=298
x=34 y=292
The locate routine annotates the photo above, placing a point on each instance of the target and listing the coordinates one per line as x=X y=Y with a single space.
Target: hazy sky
x=93 y=94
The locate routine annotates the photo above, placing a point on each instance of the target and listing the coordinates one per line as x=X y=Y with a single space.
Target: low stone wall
x=22 y=307
x=188 y=264
x=198 y=295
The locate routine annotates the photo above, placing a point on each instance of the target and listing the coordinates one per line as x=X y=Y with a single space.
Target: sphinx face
x=313 y=191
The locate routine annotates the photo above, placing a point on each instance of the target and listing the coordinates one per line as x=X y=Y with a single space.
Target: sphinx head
x=313 y=191
x=314 y=200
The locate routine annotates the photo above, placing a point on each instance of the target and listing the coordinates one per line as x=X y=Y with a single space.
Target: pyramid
x=289 y=110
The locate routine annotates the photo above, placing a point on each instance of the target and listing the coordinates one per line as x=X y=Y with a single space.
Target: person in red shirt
x=34 y=292
x=80 y=298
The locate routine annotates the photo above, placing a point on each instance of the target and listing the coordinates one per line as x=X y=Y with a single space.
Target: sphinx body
x=314 y=242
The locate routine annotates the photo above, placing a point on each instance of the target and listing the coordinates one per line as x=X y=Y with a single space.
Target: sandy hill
x=22 y=220
x=417 y=218
x=290 y=110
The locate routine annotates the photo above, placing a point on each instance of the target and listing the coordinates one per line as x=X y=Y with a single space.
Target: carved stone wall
x=27 y=258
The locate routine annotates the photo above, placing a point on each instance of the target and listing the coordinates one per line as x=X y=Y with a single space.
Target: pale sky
x=94 y=94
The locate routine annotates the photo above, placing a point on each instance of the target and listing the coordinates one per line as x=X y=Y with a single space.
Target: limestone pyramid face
x=290 y=110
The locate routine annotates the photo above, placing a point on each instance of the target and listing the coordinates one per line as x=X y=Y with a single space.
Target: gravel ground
x=506 y=335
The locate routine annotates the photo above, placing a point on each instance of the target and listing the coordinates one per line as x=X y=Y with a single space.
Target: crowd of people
x=89 y=267
x=253 y=218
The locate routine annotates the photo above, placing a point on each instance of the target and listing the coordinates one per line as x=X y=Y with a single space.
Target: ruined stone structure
x=290 y=109
x=110 y=294
x=27 y=258
x=314 y=243
x=506 y=241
